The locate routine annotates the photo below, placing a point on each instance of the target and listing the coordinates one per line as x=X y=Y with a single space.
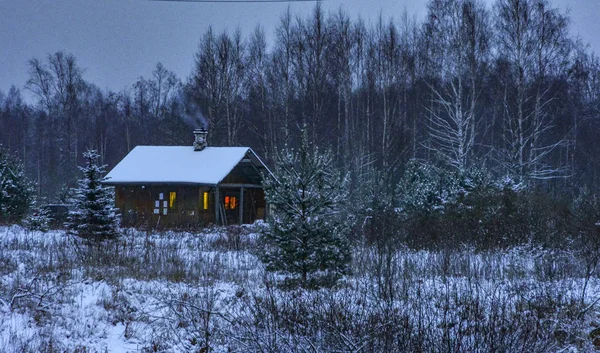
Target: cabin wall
x=243 y=174
x=167 y=206
x=160 y=206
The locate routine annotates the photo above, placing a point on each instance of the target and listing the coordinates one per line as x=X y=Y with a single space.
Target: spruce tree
x=38 y=220
x=16 y=192
x=94 y=217
x=307 y=234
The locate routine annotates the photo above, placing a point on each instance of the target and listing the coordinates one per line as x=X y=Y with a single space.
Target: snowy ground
x=184 y=292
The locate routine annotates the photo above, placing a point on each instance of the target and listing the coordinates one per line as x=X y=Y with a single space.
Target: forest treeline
x=502 y=86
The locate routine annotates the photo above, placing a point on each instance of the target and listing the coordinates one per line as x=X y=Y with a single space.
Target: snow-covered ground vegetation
x=209 y=292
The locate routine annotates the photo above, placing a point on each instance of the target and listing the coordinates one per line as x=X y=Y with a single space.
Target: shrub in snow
x=307 y=234
x=39 y=220
x=510 y=183
x=447 y=208
x=585 y=215
x=425 y=188
x=379 y=217
x=16 y=192
x=94 y=217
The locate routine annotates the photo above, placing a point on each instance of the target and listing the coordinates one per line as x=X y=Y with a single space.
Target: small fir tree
x=94 y=217
x=39 y=220
x=16 y=192
x=307 y=237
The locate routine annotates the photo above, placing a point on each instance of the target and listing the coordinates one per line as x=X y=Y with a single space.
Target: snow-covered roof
x=178 y=165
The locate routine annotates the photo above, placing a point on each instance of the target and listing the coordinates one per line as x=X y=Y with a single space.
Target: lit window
x=172 y=196
x=206 y=200
x=230 y=202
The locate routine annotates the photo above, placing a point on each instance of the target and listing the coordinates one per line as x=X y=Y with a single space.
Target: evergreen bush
x=307 y=235
x=16 y=192
x=94 y=217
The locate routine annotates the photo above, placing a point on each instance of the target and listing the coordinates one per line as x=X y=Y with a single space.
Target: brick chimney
x=200 y=139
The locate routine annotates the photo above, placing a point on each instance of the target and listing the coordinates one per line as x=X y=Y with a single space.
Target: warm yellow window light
x=206 y=200
x=172 y=196
x=230 y=202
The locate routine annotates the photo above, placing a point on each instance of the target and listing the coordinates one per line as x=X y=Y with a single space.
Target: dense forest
x=505 y=87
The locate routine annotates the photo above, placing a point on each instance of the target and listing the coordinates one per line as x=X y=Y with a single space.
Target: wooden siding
x=243 y=173
x=138 y=205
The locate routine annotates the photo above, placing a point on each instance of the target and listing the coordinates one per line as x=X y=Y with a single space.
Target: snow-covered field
x=187 y=292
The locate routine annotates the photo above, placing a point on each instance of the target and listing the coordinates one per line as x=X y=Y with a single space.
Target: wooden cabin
x=189 y=186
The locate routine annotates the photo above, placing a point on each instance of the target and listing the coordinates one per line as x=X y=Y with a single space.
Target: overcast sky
x=117 y=41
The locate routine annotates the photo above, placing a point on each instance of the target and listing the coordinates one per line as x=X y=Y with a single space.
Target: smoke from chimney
x=191 y=113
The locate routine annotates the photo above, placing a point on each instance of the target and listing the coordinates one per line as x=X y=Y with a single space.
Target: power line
x=239 y=1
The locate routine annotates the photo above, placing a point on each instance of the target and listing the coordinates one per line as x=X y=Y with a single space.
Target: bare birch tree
x=531 y=40
x=281 y=81
x=462 y=37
